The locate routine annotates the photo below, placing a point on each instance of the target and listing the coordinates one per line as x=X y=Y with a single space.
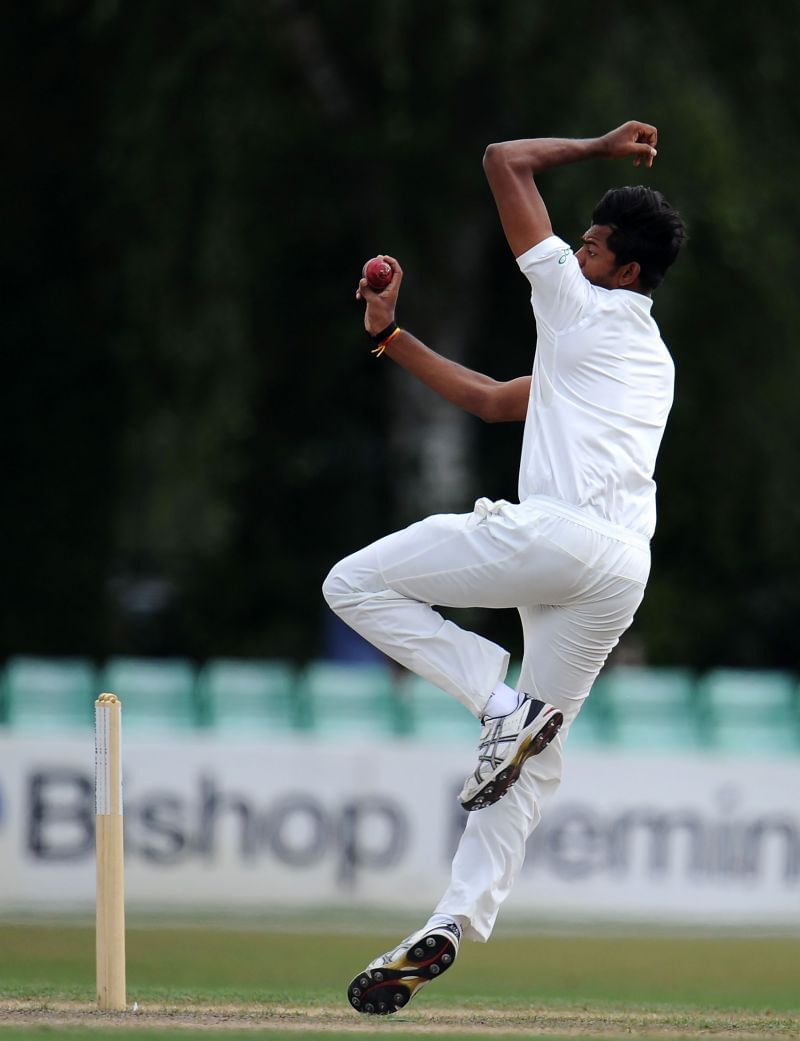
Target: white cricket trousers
x=576 y=581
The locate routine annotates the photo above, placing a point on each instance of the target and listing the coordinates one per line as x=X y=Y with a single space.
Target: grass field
x=214 y=983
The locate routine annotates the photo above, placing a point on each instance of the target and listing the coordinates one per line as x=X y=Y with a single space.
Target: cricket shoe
x=391 y=981
x=506 y=742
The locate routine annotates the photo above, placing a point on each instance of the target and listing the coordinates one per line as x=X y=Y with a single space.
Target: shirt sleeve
x=561 y=295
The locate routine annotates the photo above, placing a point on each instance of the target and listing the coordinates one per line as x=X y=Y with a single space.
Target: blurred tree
x=196 y=428
x=60 y=395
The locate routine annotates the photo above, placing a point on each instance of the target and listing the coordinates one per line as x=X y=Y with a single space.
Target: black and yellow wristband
x=384 y=338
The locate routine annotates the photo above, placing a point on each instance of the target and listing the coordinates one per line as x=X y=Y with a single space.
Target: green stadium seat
x=589 y=730
x=157 y=695
x=50 y=695
x=751 y=711
x=351 y=700
x=592 y=727
x=436 y=715
x=651 y=708
x=248 y=697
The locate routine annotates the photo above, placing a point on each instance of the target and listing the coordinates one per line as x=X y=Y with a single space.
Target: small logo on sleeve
x=565 y=254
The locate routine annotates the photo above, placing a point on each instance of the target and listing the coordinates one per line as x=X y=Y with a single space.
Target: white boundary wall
x=690 y=840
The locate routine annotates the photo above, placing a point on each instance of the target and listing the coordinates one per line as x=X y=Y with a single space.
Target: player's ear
x=628 y=274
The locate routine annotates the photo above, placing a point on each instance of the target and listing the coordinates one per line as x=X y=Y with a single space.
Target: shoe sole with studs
x=384 y=990
x=496 y=787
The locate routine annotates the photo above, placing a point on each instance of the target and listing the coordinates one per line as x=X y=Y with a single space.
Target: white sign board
x=304 y=823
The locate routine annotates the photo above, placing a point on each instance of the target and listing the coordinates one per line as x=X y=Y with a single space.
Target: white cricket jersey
x=601 y=392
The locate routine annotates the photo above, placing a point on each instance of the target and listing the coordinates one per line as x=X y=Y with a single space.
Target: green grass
x=220 y=965
x=614 y=986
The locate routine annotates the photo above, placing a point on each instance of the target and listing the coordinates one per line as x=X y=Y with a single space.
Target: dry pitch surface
x=424 y=1021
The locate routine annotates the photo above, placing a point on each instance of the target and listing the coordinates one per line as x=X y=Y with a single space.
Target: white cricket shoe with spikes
x=390 y=981
x=506 y=742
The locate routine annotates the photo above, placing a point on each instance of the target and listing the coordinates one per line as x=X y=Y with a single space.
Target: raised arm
x=494 y=401
x=512 y=165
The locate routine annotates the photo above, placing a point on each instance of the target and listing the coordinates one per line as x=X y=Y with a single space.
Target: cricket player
x=572 y=555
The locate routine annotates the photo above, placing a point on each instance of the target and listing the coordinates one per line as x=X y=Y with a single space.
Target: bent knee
x=336 y=587
x=353 y=580
x=348 y=583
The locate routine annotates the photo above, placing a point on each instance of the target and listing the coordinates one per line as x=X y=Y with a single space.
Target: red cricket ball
x=378 y=273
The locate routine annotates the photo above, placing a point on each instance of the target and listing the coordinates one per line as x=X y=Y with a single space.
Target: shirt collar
x=636 y=300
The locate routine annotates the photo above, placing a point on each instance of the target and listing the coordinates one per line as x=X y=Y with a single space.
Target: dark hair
x=644 y=228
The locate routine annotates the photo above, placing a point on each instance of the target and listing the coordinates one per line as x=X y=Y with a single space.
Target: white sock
x=447 y=919
x=502 y=701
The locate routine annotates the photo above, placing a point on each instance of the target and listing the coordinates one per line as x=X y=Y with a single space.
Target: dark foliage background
x=194 y=430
